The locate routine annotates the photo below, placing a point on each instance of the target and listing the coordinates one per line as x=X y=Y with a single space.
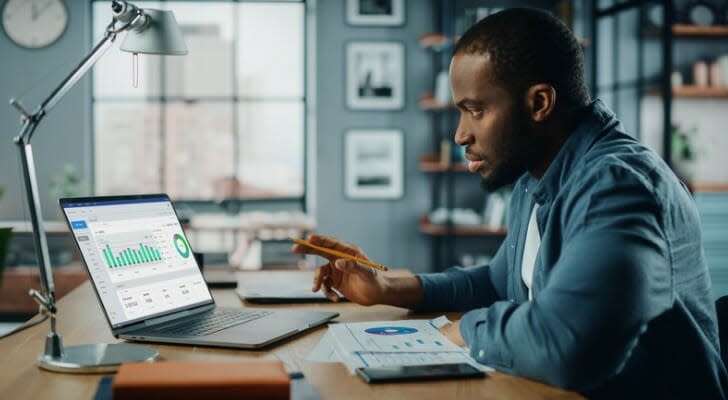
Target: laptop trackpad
x=266 y=330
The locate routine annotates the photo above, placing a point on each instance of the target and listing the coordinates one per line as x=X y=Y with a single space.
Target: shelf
x=429 y=228
x=708 y=187
x=694 y=92
x=435 y=41
x=431 y=163
x=682 y=30
x=428 y=103
x=693 y=31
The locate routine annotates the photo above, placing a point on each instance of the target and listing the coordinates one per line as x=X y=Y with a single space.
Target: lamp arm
x=78 y=72
x=30 y=181
x=91 y=59
x=66 y=85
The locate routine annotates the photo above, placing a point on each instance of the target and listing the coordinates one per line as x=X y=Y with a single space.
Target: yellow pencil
x=339 y=254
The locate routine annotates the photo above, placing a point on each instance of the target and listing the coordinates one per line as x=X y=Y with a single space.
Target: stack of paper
x=390 y=343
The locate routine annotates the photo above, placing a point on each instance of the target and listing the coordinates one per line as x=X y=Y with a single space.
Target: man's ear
x=540 y=101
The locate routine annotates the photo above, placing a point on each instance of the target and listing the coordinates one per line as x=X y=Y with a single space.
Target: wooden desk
x=82 y=321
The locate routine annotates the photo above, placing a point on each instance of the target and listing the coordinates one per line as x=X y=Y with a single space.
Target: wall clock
x=34 y=24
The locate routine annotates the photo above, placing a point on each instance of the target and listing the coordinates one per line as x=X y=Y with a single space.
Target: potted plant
x=5 y=234
x=684 y=152
x=68 y=184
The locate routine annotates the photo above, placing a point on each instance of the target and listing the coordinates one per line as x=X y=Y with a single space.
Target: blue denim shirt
x=621 y=301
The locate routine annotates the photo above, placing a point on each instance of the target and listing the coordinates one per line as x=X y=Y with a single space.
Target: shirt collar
x=596 y=120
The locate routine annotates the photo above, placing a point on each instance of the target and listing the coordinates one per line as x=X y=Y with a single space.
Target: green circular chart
x=180 y=244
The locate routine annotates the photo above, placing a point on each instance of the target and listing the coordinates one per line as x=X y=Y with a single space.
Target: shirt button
x=481 y=353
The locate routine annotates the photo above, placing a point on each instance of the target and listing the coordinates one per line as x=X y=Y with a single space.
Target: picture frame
x=375 y=12
x=374 y=164
x=375 y=75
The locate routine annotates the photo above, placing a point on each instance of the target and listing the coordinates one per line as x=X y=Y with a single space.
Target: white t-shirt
x=530 y=250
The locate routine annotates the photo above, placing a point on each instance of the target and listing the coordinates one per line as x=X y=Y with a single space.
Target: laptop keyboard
x=212 y=322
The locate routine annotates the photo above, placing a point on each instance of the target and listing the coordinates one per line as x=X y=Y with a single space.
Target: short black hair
x=530 y=46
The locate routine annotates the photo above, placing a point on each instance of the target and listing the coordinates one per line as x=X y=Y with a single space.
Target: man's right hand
x=358 y=283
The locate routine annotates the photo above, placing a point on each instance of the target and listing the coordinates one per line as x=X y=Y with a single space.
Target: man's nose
x=462 y=137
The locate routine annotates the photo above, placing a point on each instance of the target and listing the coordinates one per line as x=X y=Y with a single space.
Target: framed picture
x=374 y=164
x=375 y=75
x=375 y=12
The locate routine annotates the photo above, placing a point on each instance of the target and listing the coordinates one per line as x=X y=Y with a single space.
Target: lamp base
x=96 y=358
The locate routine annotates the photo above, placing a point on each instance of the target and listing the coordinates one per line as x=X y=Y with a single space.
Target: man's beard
x=504 y=175
x=521 y=149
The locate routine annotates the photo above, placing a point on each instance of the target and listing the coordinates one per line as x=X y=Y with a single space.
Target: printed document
x=390 y=343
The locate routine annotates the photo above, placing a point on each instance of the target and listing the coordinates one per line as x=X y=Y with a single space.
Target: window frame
x=231 y=204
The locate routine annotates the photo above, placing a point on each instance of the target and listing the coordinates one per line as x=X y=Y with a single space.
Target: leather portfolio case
x=259 y=379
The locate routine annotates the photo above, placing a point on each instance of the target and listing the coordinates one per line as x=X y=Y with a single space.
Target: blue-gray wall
x=386 y=230
x=64 y=137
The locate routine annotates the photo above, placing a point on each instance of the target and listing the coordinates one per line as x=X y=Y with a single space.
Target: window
x=226 y=121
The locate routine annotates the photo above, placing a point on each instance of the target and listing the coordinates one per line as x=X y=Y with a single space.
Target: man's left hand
x=452 y=332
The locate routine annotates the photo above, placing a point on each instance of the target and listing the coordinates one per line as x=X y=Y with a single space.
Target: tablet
x=419 y=373
x=280 y=294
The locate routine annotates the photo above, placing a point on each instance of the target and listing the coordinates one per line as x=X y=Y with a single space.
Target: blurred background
x=289 y=117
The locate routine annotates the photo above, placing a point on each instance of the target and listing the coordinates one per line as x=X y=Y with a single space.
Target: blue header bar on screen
x=96 y=203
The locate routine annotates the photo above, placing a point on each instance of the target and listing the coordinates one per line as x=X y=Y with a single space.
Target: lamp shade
x=160 y=35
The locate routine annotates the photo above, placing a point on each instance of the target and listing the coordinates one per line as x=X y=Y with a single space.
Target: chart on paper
x=391 y=343
x=402 y=336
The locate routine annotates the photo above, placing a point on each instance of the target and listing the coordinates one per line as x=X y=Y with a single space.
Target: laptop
x=149 y=285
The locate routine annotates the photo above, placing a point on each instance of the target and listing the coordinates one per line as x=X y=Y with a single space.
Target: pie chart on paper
x=390 y=330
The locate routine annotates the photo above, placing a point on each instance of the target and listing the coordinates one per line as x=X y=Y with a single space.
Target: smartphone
x=419 y=373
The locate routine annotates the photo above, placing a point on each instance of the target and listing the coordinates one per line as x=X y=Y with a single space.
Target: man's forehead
x=469 y=58
x=472 y=66
x=473 y=79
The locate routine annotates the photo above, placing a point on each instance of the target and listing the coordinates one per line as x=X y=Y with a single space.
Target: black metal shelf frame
x=666 y=41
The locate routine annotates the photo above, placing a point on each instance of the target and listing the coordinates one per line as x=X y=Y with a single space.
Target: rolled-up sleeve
x=462 y=289
x=612 y=278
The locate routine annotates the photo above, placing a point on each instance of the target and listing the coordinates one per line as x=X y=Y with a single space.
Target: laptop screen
x=137 y=255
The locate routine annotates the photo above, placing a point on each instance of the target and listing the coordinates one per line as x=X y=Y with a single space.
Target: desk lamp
x=150 y=32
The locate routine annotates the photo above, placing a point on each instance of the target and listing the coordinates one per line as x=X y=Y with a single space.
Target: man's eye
x=475 y=113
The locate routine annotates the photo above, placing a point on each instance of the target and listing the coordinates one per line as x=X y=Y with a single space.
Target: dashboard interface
x=137 y=255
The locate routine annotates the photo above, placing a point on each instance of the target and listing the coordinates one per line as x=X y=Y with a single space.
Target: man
x=601 y=284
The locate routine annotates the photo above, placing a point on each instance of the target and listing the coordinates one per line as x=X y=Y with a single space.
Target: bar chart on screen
x=131 y=249
x=131 y=255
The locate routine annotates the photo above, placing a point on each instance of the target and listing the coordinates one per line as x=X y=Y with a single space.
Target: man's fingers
x=318 y=276
x=301 y=249
x=335 y=244
x=328 y=292
x=353 y=267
